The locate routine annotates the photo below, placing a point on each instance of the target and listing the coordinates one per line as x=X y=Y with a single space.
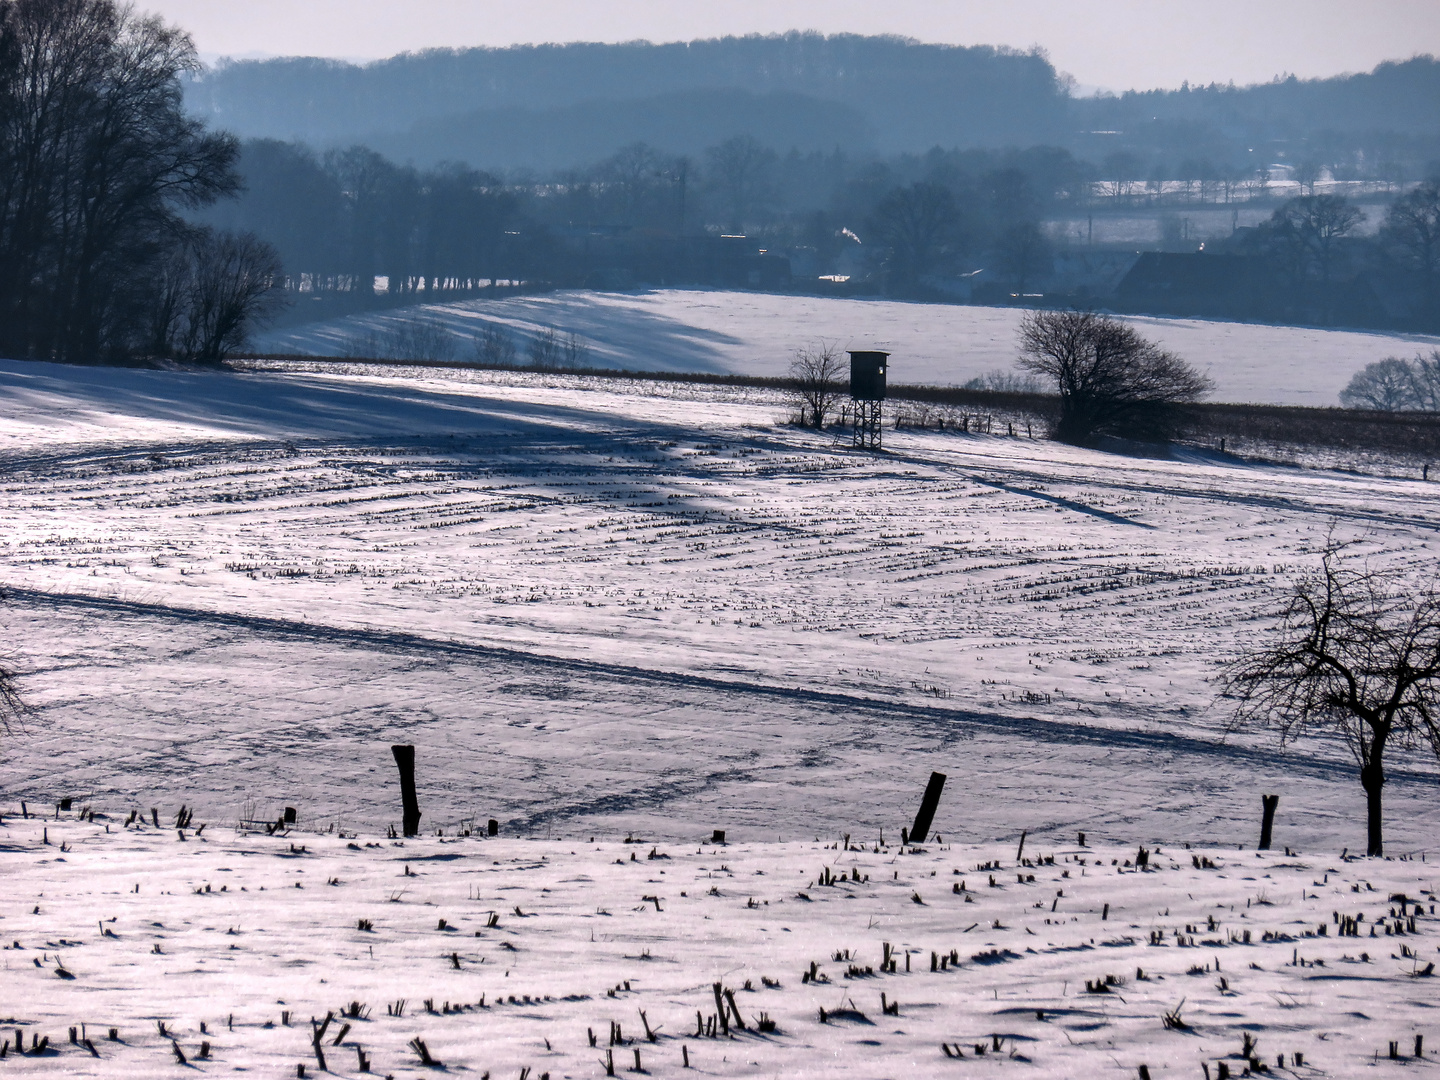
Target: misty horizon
x=214 y=60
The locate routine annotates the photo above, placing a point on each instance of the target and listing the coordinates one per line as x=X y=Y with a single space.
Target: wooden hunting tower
x=867 y=390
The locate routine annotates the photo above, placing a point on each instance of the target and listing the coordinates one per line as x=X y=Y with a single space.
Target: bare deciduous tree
x=740 y=170
x=818 y=371
x=12 y=705
x=1356 y=654
x=1312 y=227
x=1412 y=234
x=494 y=347
x=1111 y=380
x=546 y=350
x=576 y=350
x=1395 y=385
x=216 y=287
x=97 y=159
x=919 y=229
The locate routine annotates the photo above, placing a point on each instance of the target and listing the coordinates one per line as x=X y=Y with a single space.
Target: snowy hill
x=933 y=344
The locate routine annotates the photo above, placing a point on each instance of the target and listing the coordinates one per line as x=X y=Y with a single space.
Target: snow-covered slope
x=757 y=333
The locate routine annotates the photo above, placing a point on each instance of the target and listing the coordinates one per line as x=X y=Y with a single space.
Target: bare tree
x=739 y=171
x=97 y=159
x=1412 y=234
x=576 y=350
x=1123 y=168
x=238 y=284
x=1356 y=653
x=1022 y=253
x=546 y=350
x=12 y=705
x=1396 y=385
x=494 y=347
x=919 y=228
x=817 y=371
x=211 y=290
x=1307 y=175
x=1313 y=226
x=1111 y=381
x=1426 y=371
x=1384 y=385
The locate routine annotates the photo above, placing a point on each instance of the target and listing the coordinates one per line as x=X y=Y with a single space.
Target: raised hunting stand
x=867 y=391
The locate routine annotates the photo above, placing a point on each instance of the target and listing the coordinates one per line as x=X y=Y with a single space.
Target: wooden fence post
x=928 y=806
x=405 y=759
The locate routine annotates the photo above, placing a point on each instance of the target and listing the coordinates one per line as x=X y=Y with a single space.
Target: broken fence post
x=1269 y=803
x=928 y=806
x=405 y=759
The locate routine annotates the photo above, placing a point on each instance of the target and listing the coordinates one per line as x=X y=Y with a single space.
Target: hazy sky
x=1109 y=43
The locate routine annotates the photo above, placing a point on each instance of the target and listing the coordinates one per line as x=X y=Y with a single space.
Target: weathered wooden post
x=405 y=760
x=928 y=805
x=1269 y=803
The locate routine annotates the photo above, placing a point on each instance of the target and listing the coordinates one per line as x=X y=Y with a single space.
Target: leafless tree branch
x=1355 y=653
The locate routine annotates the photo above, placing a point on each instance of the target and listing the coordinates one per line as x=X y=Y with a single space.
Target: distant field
x=756 y=333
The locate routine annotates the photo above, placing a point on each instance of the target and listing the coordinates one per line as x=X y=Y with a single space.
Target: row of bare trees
x=98 y=164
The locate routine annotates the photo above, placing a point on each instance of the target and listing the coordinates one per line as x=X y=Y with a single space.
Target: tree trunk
x=1372 y=778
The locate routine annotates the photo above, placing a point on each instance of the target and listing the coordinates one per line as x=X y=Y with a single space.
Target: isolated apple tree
x=1110 y=380
x=1355 y=653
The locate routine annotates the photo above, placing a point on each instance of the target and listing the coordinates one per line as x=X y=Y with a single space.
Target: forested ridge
x=901 y=96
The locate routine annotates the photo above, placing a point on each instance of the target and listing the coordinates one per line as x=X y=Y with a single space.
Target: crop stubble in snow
x=506 y=951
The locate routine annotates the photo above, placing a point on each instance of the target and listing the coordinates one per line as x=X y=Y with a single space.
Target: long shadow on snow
x=1097 y=479
x=289 y=406
x=620 y=334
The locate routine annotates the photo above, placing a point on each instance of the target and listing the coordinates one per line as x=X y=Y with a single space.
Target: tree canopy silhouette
x=98 y=159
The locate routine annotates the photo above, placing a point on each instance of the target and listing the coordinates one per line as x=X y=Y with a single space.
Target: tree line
x=99 y=166
x=1316 y=261
x=344 y=218
x=532 y=106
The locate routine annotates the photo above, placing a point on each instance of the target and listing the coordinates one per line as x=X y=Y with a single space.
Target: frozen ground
x=601 y=608
x=756 y=334
x=557 y=957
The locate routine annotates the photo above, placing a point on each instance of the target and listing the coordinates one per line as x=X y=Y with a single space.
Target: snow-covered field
x=569 y=958
x=602 y=608
x=933 y=344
